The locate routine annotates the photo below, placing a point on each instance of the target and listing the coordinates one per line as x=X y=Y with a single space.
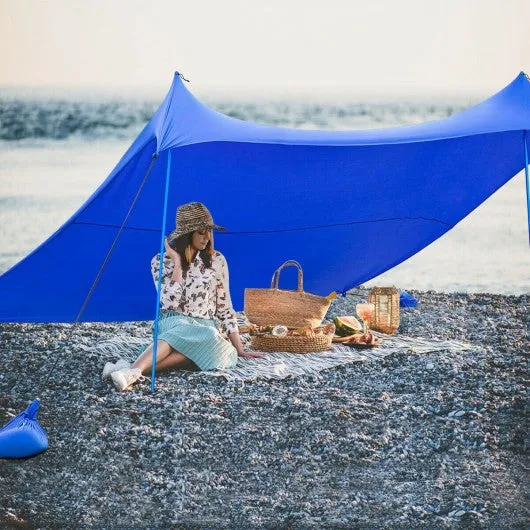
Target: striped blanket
x=281 y=365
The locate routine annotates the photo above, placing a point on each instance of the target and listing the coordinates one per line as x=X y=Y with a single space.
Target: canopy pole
x=527 y=182
x=160 y=270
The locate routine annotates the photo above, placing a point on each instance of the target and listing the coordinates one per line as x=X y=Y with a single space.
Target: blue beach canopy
x=347 y=205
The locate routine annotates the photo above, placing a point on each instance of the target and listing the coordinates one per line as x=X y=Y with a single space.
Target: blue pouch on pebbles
x=23 y=436
x=407 y=300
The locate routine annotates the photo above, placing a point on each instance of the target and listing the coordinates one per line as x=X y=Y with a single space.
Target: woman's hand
x=249 y=355
x=176 y=275
x=172 y=253
x=235 y=339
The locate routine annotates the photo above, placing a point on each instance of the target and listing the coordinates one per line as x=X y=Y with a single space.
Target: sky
x=406 y=45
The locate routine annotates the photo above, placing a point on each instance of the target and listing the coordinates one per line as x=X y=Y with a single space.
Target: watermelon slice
x=345 y=326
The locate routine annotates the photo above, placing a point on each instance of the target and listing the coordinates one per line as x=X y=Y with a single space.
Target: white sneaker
x=125 y=377
x=113 y=367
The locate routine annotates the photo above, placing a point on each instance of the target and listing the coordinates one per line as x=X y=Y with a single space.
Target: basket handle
x=288 y=263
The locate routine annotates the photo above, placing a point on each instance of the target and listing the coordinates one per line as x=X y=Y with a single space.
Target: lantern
x=386 y=314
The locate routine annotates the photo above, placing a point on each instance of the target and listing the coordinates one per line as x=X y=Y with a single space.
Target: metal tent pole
x=527 y=182
x=160 y=270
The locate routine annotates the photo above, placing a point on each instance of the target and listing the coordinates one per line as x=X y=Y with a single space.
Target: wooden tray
x=361 y=345
x=345 y=340
x=338 y=339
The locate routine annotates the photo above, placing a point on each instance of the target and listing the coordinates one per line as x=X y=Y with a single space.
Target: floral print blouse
x=203 y=292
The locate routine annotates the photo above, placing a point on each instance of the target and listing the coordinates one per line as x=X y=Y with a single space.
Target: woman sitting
x=194 y=298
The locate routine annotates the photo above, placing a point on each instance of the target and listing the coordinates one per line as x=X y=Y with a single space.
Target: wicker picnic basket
x=386 y=314
x=293 y=309
x=292 y=344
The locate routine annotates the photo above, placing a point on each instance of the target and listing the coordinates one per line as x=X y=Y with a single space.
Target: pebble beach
x=434 y=440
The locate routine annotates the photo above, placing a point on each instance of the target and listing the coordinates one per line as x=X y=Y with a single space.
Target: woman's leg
x=175 y=361
x=144 y=362
x=166 y=357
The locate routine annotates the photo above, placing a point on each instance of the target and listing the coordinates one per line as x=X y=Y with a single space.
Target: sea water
x=57 y=147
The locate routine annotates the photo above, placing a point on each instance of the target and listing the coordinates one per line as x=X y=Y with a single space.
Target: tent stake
x=527 y=183
x=160 y=269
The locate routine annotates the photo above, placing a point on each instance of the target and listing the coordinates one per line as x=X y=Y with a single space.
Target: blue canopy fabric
x=347 y=205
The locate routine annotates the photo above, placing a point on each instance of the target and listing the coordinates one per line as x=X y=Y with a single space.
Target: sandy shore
x=413 y=441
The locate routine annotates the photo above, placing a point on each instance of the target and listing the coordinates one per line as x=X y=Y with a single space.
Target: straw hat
x=190 y=217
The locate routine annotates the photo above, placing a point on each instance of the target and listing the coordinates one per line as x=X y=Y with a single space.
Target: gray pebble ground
x=413 y=441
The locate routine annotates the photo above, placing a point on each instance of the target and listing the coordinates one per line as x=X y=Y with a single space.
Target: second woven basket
x=291 y=344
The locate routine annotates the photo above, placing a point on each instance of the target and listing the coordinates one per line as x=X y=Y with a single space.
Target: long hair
x=183 y=246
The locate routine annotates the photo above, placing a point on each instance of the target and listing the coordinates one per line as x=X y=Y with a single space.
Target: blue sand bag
x=23 y=436
x=407 y=300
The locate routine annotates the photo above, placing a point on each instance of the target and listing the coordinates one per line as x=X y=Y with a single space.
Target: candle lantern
x=386 y=315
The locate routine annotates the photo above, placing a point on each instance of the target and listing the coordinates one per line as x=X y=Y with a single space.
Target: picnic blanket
x=282 y=365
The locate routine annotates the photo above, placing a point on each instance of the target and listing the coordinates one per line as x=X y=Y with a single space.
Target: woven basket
x=291 y=344
x=294 y=309
x=386 y=314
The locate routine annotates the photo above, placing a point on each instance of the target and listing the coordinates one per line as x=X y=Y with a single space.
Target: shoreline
x=411 y=441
